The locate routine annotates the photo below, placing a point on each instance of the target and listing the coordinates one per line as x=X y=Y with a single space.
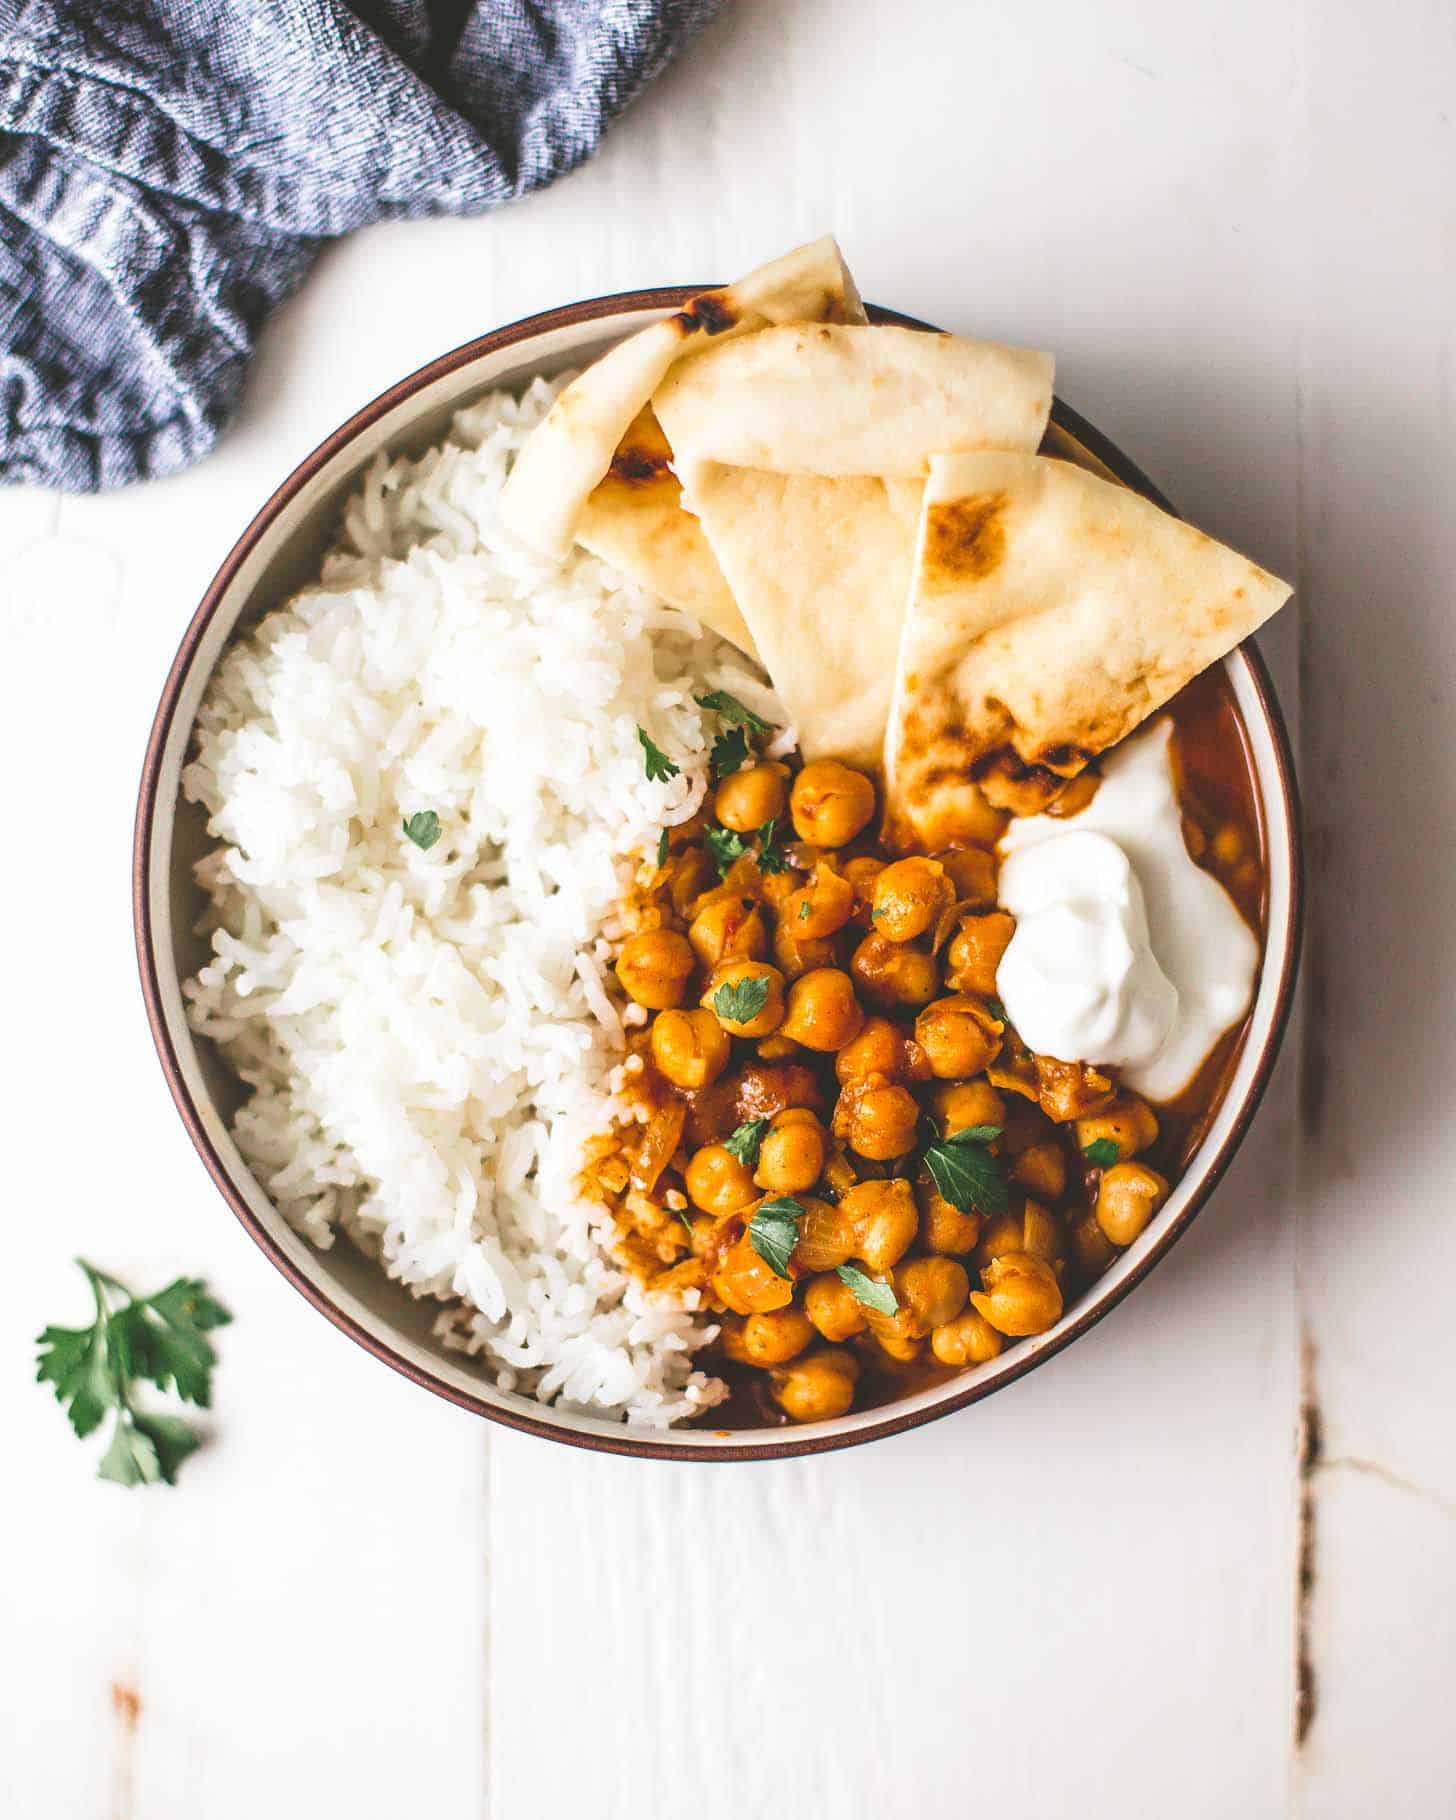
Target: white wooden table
x=1236 y=225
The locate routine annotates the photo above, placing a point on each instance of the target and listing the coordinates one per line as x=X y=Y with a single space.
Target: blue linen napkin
x=169 y=168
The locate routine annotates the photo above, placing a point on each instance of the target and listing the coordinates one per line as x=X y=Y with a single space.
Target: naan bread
x=1051 y=612
x=821 y=567
x=571 y=450
x=822 y=398
x=635 y=521
x=815 y=531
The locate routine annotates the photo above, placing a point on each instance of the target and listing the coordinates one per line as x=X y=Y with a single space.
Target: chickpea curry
x=833 y=1138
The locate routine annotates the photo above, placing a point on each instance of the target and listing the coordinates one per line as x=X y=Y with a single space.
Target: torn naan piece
x=822 y=567
x=635 y=521
x=570 y=451
x=1051 y=612
x=816 y=534
x=824 y=398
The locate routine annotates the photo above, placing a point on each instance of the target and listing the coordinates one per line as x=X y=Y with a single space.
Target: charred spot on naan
x=711 y=312
x=965 y=540
x=643 y=454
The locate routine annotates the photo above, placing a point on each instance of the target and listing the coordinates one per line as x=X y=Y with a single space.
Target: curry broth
x=1224 y=828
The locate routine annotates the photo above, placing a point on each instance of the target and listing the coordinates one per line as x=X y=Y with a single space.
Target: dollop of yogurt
x=1125 y=951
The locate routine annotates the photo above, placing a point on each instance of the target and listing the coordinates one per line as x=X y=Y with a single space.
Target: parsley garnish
x=773 y=1232
x=662 y=849
x=746 y=1142
x=659 y=766
x=804 y=912
x=730 y=750
x=1102 y=1152
x=161 y=1339
x=423 y=828
x=771 y=858
x=728 y=707
x=725 y=846
x=966 y=1173
x=740 y=1001
x=878 y=1296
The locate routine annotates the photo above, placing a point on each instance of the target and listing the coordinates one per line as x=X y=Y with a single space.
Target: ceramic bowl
x=279 y=552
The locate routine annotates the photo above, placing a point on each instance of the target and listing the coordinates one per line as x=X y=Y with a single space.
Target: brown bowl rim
x=894 y=1422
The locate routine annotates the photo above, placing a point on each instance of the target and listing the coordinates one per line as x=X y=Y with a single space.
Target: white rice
x=430 y=1038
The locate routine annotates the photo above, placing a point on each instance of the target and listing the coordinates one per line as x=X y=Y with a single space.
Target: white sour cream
x=1125 y=951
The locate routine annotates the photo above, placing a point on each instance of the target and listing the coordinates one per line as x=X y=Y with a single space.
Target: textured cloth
x=169 y=168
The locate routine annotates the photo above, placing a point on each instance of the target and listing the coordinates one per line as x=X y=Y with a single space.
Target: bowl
x=279 y=552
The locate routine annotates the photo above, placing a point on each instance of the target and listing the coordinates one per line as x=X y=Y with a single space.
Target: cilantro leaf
x=659 y=766
x=804 y=911
x=773 y=1232
x=74 y=1360
x=878 y=1296
x=771 y=858
x=725 y=846
x=730 y=751
x=662 y=849
x=746 y=1142
x=423 y=828
x=966 y=1173
x=1102 y=1152
x=160 y=1338
x=740 y=1001
x=131 y=1459
x=728 y=707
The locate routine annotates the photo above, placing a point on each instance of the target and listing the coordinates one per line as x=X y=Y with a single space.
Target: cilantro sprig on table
x=159 y=1339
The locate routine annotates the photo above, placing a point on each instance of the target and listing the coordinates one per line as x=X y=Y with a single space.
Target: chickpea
x=745 y=1284
x=862 y=873
x=654 y=968
x=747 y=799
x=823 y=1012
x=765 y=1088
x=1071 y=1090
x=690 y=1048
x=876 y=1118
x=716 y=999
x=969 y=1339
x=968 y=1103
x=972 y=871
x=1043 y=1169
x=717 y=1182
x=975 y=952
x=1128 y=1122
x=833 y=1308
x=822 y=907
x=727 y=927
x=768 y=1339
x=792 y=1155
x=885 y=1217
x=817 y=1387
x=1128 y=1196
x=693 y=873
x=1019 y=1295
x=830 y=803
x=943 y=1227
x=776 y=888
x=1000 y=1235
x=828 y=1235
x=959 y=1036
x=1091 y=1247
x=795 y=954
x=1041 y=1236
x=890 y=974
x=892 y=1339
x=909 y=897
x=930 y=1291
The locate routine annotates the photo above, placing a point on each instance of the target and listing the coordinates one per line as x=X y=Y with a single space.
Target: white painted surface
x=1237 y=227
